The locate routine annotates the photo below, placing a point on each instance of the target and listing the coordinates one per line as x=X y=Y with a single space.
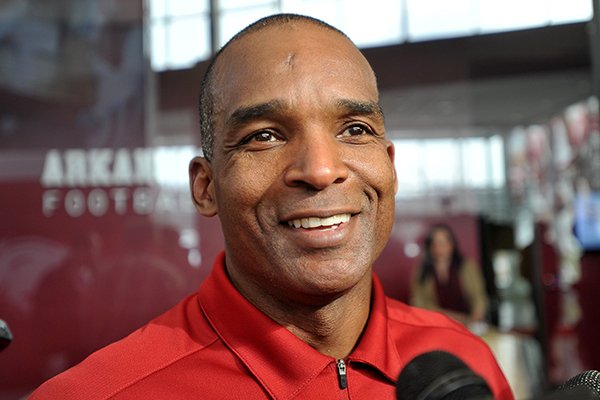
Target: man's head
x=301 y=174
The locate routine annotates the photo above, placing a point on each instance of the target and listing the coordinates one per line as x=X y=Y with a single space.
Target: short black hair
x=206 y=98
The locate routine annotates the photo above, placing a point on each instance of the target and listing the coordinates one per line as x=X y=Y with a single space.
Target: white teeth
x=315 y=222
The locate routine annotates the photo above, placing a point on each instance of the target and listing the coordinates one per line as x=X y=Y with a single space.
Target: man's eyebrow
x=244 y=115
x=356 y=107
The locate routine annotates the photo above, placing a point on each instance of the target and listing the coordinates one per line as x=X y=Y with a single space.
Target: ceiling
x=484 y=106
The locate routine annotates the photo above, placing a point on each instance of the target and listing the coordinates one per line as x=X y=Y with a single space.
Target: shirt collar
x=377 y=347
x=283 y=363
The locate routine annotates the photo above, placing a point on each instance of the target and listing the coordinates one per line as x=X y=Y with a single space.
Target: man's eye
x=263 y=136
x=356 y=130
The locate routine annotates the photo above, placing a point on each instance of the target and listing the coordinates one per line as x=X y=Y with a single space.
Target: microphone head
x=439 y=375
x=587 y=383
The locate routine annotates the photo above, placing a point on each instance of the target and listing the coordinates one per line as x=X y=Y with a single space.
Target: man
x=298 y=169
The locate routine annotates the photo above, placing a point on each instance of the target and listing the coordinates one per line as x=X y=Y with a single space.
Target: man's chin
x=329 y=277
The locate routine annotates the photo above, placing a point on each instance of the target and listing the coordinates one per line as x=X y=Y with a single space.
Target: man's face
x=302 y=175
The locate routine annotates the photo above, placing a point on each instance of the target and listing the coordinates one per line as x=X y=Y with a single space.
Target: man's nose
x=317 y=162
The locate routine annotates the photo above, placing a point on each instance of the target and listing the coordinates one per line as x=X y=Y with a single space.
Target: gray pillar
x=214 y=26
x=595 y=48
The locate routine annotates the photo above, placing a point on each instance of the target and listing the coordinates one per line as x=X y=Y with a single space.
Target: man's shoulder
x=406 y=314
x=417 y=331
x=404 y=319
x=157 y=346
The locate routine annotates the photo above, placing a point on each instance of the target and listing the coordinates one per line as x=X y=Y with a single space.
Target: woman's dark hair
x=427 y=267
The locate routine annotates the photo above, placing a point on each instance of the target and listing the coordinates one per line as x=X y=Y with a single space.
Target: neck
x=333 y=327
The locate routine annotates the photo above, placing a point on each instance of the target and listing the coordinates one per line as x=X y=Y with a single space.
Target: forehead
x=441 y=234
x=294 y=60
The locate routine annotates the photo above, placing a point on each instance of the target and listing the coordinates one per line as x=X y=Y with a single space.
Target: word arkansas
x=99 y=181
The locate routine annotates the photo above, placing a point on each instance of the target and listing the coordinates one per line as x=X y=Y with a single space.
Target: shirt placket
x=341 y=369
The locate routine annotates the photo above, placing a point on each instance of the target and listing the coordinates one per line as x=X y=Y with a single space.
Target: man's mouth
x=316 y=222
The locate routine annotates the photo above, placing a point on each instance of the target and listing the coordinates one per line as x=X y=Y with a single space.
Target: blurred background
x=492 y=106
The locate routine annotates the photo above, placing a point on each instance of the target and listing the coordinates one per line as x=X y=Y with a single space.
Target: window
x=425 y=166
x=179 y=33
x=180 y=29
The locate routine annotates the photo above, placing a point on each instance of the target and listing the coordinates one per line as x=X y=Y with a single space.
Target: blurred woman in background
x=448 y=282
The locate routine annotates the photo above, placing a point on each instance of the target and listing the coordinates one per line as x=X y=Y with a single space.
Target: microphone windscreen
x=589 y=380
x=439 y=375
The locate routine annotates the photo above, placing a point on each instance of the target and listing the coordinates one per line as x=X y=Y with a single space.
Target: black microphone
x=438 y=375
x=585 y=386
x=5 y=335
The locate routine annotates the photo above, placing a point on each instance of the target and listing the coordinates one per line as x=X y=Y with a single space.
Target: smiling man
x=299 y=171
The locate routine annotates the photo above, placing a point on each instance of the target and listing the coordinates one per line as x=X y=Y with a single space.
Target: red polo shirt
x=216 y=345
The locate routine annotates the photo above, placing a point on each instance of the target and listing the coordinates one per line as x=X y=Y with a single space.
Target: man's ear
x=392 y=155
x=202 y=186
